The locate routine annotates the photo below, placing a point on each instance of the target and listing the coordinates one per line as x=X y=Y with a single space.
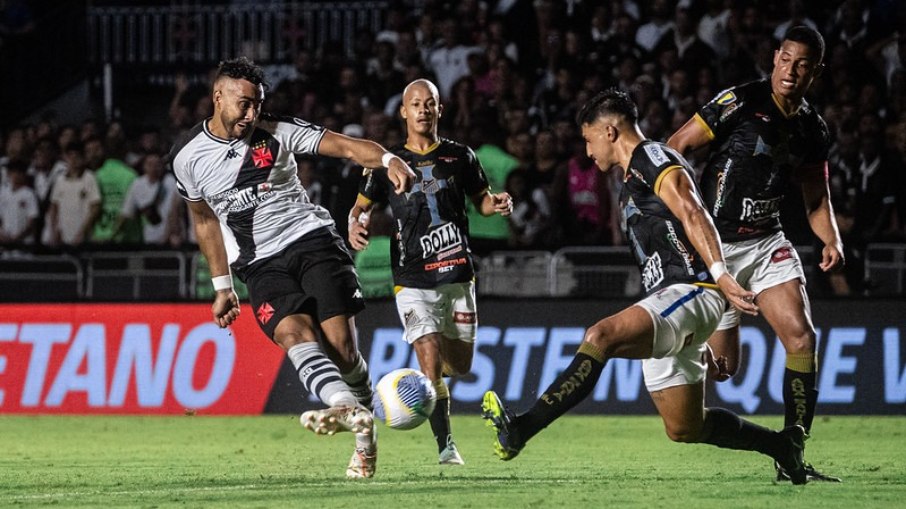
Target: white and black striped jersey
x=251 y=184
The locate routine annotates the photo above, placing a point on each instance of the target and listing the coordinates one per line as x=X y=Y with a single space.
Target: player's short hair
x=241 y=68
x=808 y=36
x=612 y=101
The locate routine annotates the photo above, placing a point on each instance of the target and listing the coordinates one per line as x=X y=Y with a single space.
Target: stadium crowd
x=511 y=76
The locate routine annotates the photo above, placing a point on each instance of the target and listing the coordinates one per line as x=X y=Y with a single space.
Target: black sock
x=727 y=430
x=440 y=417
x=440 y=423
x=800 y=395
x=573 y=385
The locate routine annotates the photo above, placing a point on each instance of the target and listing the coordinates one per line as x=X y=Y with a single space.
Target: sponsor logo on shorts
x=653 y=272
x=759 y=210
x=265 y=312
x=440 y=239
x=779 y=255
x=410 y=318
x=460 y=317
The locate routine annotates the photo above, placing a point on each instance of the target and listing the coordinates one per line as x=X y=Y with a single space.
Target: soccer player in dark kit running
x=761 y=135
x=688 y=289
x=238 y=174
x=432 y=264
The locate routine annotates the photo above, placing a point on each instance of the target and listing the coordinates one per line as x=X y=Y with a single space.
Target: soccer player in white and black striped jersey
x=237 y=172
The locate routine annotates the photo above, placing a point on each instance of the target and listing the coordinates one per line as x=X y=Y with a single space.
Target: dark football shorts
x=314 y=275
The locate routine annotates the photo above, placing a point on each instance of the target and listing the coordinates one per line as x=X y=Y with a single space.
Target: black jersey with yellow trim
x=431 y=247
x=757 y=148
x=658 y=241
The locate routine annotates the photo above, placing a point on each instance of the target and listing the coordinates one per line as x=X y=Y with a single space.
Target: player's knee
x=602 y=336
x=803 y=341
x=684 y=433
x=290 y=338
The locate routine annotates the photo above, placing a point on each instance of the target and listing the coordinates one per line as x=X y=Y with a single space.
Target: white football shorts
x=684 y=317
x=448 y=309
x=759 y=264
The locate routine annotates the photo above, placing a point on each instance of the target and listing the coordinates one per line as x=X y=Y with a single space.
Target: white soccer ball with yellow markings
x=404 y=399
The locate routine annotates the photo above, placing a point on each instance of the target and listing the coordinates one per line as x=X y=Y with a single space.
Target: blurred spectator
x=149 y=198
x=492 y=232
x=797 y=16
x=450 y=61
x=586 y=219
x=113 y=179
x=713 y=26
x=75 y=202
x=649 y=34
x=45 y=168
x=531 y=211
x=19 y=210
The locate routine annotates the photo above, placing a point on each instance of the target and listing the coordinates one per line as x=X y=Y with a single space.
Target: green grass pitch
x=270 y=461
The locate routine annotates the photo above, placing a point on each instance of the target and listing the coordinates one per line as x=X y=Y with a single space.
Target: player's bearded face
x=241 y=105
x=794 y=69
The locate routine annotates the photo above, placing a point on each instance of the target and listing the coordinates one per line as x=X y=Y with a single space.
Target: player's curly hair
x=242 y=68
x=808 y=36
x=612 y=101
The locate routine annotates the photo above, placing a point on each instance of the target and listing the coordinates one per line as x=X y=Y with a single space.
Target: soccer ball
x=404 y=399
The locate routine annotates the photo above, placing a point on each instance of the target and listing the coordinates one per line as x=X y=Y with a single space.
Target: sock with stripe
x=440 y=417
x=359 y=382
x=800 y=395
x=573 y=385
x=319 y=375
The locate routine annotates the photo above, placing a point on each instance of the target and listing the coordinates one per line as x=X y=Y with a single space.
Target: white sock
x=359 y=382
x=319 y=375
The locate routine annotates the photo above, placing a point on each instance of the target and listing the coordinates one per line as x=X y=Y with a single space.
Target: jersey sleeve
x=373 y=187
x=814 y=166
x=182 y=171
x=657 y=162
x=714 y=116
x=299 y=136
x=474 y=179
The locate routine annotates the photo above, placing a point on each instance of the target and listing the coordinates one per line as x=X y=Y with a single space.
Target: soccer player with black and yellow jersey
x=688 y=288
x=762 y=135
x=432 y=264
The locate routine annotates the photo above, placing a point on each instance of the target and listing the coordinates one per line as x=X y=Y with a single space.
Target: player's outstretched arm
x=489 y=203
x=359 y=220
x=816 y=195
x=368 y=154
x=678 y=193
x=210 y=239
x=691 y=137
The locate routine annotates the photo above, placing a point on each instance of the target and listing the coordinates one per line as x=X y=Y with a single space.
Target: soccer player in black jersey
x=237 y=171
x=432 y=264
x=762 y=135
x=688 y=288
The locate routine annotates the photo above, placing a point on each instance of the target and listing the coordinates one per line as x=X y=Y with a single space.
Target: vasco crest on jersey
x=262 y=156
